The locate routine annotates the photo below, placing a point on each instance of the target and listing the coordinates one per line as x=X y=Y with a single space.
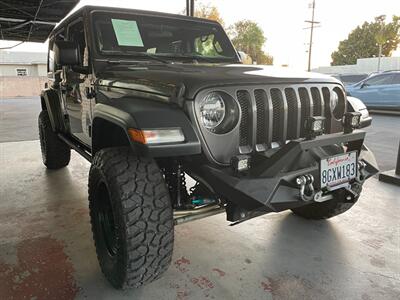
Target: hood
x=163 y=79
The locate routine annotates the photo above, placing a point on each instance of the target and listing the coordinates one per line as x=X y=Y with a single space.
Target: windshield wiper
x=197 y=57
x=217 y=59
x=149 y=55
x=137 y=54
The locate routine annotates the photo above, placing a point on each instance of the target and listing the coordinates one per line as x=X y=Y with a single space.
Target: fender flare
x=125 y=120
x=51 y=100
x=113 y=116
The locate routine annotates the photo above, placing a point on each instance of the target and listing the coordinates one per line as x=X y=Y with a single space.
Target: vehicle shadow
x=303 y=258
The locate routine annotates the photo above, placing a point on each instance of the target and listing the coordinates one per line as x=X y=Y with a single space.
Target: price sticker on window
x=127 y=33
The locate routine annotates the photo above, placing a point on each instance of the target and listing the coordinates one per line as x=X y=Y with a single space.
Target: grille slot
x=245 y=122
x=277 y=114
x=305 y=110
x=262 y=116
x=327 y=98
x=293 y=131
x=317 y=101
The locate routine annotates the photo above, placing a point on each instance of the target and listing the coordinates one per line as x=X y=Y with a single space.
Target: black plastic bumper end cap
x=390 y=177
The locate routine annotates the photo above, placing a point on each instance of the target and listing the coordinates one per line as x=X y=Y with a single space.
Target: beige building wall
x=42 y=70
x=33 y=70
x=21 y=86
x=12 y=85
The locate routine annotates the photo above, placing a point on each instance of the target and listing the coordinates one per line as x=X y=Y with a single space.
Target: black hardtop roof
x=91 y=8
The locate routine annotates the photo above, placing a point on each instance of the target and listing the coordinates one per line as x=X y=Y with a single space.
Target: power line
x=13 y=46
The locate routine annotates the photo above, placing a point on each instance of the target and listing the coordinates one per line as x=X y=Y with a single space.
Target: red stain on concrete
x=181 y=292
x=220 y=272
x=202 y=282
x=43 y=271
x=182 y=295
x=181 y=264
x=267 y=286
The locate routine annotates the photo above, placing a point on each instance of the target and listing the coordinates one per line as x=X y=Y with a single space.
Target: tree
x=206 y=11
x=364 y=41
x=247 y=36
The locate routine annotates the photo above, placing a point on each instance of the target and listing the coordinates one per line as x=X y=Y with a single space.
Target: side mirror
x=66 y=53
x=363 y=85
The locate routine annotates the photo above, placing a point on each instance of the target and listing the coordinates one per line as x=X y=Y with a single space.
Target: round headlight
x=212 y=110
x=218 y=112
x=337 y=103
x=334 y=100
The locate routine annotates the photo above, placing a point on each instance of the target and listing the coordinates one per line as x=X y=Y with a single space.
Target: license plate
x=338 y=170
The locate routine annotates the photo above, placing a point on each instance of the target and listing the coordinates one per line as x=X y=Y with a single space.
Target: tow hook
x=361 y=176
x=307 y=192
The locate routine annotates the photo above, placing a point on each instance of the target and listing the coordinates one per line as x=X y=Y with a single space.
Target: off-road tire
x=327 y=209
x=55 y=153
x=137 y=247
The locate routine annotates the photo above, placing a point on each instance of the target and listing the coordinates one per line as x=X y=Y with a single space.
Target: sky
x=281 y=20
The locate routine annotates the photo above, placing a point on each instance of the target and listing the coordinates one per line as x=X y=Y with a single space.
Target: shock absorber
x=176 y=182
x=181 y=192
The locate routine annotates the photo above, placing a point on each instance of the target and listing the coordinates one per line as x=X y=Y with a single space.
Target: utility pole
x=380 y=39
x=379 y=57
x=190 y=8
x=312 y=22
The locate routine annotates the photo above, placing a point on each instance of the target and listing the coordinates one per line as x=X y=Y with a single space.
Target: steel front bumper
x=270 y=185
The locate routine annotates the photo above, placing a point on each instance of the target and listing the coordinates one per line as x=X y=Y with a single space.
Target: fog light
x=240 y=163
x=314 y=126
x=351 y=121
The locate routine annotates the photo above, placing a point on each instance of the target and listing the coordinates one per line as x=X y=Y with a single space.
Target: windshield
x=129 y=34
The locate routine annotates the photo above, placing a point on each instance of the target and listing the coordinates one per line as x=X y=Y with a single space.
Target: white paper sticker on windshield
x=127 y=33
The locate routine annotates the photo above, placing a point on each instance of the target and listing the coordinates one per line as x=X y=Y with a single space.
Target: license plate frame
x=338 y=170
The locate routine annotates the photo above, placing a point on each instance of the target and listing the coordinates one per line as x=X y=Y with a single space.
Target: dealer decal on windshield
x=127 y=33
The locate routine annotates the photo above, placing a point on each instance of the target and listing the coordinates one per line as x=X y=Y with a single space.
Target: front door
x=77 y=79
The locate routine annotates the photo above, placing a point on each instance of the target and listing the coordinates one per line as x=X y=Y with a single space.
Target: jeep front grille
x=278 y=114
x=244 y=130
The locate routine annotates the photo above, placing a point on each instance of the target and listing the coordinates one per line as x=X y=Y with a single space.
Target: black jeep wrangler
x=155 y=101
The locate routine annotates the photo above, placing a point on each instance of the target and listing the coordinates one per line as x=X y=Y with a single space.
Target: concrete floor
x=46 y=248
x=18 y=119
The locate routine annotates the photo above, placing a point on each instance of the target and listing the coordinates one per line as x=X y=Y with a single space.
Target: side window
x=396 y=78
x=76 y=33
x=207 y=46
x=379 y=80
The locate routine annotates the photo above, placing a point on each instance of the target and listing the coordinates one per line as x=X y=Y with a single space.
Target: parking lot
x=46 y=249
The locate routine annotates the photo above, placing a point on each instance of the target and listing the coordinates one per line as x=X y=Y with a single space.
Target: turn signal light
x=157 y=136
